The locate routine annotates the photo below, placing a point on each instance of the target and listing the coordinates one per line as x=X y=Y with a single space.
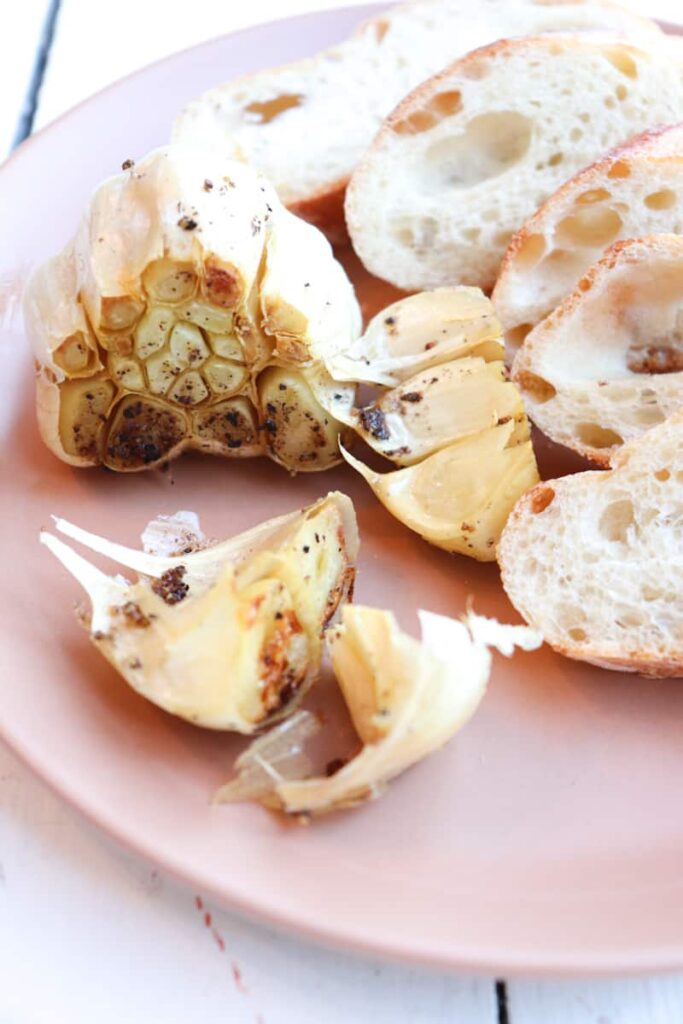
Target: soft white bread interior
x=467 y=157
x=635 y=190
x=593 y=561
x=306 y=125
x=607 y=364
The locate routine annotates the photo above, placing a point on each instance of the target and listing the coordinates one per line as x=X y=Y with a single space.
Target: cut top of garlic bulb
x=186 y=281
x=406 y=699
x=228 y=636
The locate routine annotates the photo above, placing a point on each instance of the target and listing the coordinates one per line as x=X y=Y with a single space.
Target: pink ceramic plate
x=547 y=837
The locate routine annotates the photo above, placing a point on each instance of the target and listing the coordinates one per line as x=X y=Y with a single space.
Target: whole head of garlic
x=191 y=310
x=228 y=635
x=406 y=699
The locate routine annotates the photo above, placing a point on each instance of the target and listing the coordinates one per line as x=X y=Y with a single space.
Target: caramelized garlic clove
x=439 y=406
x=406 y=698
x=228 y=636
x=143 y=432
x=84 y=406
x=301 y=435
x=459 y=498
x=77 y=356
x=421 y=331
x=228 y=428
x=222 y=284
x=120 y=312
x=224 y=377
x=169 y=281
x=153 y=331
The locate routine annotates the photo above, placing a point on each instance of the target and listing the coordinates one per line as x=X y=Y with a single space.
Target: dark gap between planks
x=502 y=999
x=28 y=114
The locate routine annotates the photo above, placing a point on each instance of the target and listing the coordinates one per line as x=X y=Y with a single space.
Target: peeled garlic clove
x=420 y=331
x=227 y=636
x=438 y=406
x=459 y=498
x=406 y=699
x=185 y=279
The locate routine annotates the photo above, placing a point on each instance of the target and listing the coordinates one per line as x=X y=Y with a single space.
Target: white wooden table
x=92 y=935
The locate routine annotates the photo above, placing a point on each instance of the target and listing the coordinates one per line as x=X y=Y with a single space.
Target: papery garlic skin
x=406 y=699
x=186 y=279
x=228 y=636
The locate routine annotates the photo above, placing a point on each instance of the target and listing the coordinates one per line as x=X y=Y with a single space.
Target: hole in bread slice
x=265 y=111
x=616 y=520
x=594 y=226
x=443 y=104
x=619 y=169
x=490 y=145
x=540 y=390
x=664 y=199
x=541 y=499
x=592 y=435
x=622 y=60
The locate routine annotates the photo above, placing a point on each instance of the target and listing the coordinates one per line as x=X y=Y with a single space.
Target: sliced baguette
x=470 y=154
x=306 y=125
x=593 y=561
x=635 y=190
x=607 y=364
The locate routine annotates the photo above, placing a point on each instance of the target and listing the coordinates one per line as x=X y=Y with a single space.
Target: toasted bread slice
x=593 y=561
x=306 y=125
x=469 y=155
x=607 y=364
x=635 y=190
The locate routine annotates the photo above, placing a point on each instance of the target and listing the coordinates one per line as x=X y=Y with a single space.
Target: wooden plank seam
x=28 y=113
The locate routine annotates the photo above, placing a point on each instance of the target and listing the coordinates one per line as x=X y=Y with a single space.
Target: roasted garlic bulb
x=227 y=635
x=191 y=310
x=406 y=699
x=449 y=416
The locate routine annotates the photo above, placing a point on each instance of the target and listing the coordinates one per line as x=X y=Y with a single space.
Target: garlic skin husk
x=406 y=698
x=228 y=636
x=186 y=280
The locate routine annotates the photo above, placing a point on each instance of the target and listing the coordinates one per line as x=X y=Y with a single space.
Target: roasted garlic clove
x=438 y=406
x=406 y=699
x=185 y=280
x=459 y=498
x=420 y=331
x=449 y=410
x=229 y=635
x=300 y=434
